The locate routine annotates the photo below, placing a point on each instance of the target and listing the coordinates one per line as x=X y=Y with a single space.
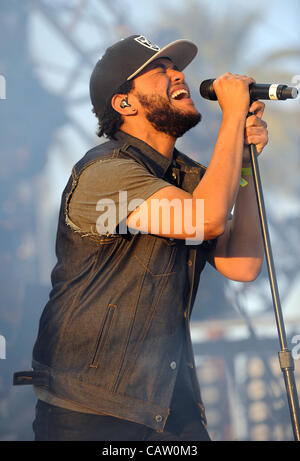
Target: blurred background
x=47 y=51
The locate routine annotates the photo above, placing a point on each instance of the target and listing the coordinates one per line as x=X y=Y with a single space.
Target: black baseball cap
x=126 y=58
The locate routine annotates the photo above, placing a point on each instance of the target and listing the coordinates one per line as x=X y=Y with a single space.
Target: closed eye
x=161 y=67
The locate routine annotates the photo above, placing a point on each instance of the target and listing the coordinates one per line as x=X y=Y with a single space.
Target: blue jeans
x=59 y=424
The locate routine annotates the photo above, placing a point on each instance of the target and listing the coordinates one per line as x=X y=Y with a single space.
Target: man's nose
x=177 y=75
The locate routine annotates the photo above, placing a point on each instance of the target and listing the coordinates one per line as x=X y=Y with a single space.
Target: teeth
x=177 y=93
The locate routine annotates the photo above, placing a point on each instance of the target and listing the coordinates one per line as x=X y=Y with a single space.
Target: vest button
x=190 y=262
x=158 y=418
x=173 y=365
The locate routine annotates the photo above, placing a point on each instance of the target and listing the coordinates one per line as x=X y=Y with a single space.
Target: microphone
x=271 y=91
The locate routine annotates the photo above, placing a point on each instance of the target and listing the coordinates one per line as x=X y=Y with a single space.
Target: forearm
x=239 y=252
x=220 y=184
x=245 y=239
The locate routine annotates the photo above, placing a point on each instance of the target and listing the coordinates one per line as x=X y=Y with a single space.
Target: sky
x=278 y=30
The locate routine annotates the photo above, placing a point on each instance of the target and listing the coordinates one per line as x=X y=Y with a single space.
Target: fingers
x=233 y=95
x=232 y=91
x=256 y=140
x=257 y=107
x=255 y=121
x=227 y=77
x=245 y=78
x=256 y=132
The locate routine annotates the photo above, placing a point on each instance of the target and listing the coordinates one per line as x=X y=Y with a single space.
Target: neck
x=161 y=142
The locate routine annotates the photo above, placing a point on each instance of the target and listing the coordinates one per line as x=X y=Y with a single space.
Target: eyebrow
x=157 y=64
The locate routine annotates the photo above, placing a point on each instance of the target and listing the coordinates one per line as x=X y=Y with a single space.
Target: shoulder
x=113 y=168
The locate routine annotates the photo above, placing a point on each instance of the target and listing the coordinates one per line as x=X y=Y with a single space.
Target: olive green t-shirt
x=108 y=191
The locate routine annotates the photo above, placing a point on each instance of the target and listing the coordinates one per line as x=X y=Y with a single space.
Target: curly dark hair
x=110 y=121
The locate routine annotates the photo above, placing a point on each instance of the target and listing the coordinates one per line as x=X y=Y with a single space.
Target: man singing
x=113 y=359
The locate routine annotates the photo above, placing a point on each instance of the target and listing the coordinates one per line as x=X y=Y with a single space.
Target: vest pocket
x=103 y=335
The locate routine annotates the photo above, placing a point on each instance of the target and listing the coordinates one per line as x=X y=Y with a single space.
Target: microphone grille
x=207 y=90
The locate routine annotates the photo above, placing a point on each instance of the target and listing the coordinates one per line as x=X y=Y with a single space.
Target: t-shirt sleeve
x=107 y=192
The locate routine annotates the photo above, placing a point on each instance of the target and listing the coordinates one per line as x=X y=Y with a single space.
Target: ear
x=116 y=102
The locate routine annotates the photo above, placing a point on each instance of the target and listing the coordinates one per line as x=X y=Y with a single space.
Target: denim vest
x=115 y=330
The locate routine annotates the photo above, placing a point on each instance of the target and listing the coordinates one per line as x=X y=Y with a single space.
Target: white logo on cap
x=145 y=42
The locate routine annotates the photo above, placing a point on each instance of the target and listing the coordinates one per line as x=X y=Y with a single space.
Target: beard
x=166 y=118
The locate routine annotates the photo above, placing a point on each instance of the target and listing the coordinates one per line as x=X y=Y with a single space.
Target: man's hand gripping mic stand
x=285 y=356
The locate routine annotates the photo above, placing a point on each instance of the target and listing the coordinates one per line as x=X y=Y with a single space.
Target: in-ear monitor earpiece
x=124 y=103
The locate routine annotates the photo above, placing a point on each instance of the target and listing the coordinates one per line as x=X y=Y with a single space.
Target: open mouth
x=179 y=94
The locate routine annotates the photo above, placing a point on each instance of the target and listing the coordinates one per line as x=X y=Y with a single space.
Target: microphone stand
x=285 y=357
